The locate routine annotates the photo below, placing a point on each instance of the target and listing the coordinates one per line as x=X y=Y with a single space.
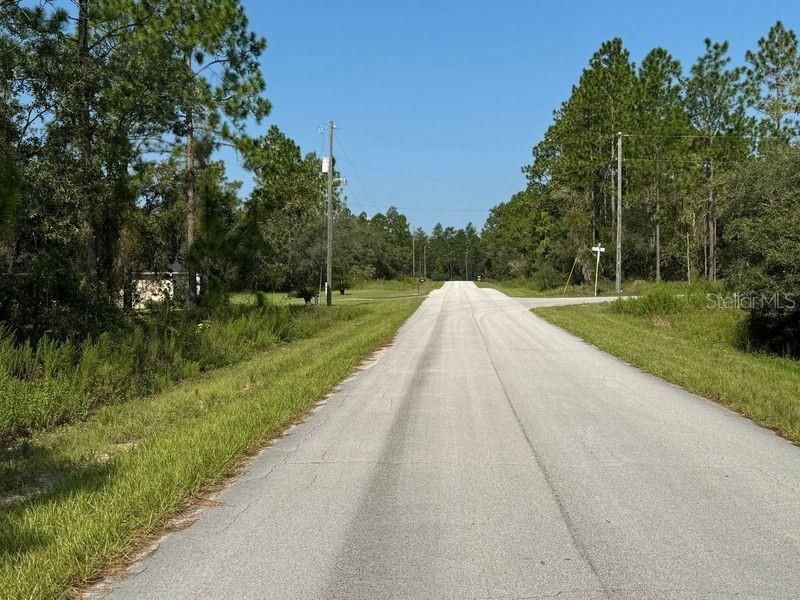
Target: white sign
x=597 y=250
x=326 y=163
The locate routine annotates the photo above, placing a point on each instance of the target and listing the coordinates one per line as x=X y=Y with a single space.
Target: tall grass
x=667 y=299
x=698 y=348
x=54 y=382
x=549 y=286
x=398 y=285
x=122 y=472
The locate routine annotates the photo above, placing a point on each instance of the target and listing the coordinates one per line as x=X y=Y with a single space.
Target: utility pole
x=425 y=261
x=619 y=213
x=466 y=267
x=329 y=261
x=413 y=254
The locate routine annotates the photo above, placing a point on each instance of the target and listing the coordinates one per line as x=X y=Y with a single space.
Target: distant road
x=488 y=454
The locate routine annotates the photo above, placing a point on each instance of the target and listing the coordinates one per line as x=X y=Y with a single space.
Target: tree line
x=709 y=158
x=113 y=112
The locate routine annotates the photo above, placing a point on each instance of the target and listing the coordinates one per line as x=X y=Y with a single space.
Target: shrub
x=306 y=292
x=774 y=328
x=547 y=277
x=359 y=276
x=665 y=299
x=52 y=382
x=763 y=235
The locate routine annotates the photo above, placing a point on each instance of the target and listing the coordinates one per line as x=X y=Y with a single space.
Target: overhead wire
x=429 y=144
x=372 y=202
x=339 y=145
x=336 y=143
x=429 y=178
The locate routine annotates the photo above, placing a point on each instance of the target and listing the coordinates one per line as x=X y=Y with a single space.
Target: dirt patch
x=660 y=323
x=44 y=483
x=104 y=457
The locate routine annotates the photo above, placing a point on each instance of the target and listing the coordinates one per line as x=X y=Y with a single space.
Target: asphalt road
x=488 y=454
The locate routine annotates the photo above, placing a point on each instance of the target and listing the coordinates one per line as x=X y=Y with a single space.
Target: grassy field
x=54 y=383
x=374 y=290
x=77 y=498
x=696 y=347
x=527 y=288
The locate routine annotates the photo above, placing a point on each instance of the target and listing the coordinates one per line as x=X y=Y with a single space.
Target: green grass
x=528 y=288
x=379 y=289
x=54 y=383
x=386 y=290
x=275 y=298
x=696 y=347
x=105 y=482
x=59 y=382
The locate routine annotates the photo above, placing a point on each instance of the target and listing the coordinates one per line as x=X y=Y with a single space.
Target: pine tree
x=659 y=143
x=221 y=85
x=773 y=79
x=715 y=104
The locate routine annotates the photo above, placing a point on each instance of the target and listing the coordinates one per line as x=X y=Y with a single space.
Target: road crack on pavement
x=234 y=519
x=289 y=453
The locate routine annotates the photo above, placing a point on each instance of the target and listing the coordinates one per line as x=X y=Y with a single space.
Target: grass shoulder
x=378 y=289
x=698 y=348
x=88 y=491
x=528 y=288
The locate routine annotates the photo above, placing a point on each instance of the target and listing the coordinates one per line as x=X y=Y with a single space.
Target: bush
x=666 y=299
x=763 y=232
x=306 y=292
x=547 y=277
x=775 y=331
x=54 y=382
x=637 y=287
x=357 y=277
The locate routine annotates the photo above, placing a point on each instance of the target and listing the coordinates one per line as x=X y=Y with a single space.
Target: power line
x=460 y=210
x=354 y=196
x=373 y=204
x=428 y=144
x=664 y=161
x=329 y=257
x=358 y=176
x=429 y=178
x=426 y=208
x=682 y=135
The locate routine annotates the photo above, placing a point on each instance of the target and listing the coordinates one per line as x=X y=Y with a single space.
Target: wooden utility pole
x=619 y=213
x=413 y=254
x=611 y=177
x=329 y=260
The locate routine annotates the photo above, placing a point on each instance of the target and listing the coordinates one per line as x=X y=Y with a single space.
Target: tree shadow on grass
x=33 y=476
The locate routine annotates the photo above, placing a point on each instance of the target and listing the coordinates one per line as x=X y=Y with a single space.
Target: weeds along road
x=487 y=454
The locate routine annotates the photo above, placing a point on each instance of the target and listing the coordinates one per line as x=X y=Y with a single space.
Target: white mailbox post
x=597 y=250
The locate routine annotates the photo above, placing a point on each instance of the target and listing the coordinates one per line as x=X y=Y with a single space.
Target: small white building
x=159 y=286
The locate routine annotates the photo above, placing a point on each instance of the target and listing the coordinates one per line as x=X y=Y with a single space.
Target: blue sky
x=438 y=103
